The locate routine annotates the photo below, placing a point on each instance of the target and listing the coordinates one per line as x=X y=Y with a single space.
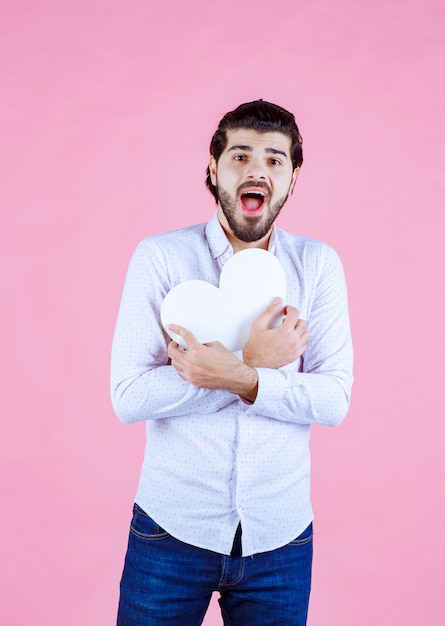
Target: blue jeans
x=166 y=581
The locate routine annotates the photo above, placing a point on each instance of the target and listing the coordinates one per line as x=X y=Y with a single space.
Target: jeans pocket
x=143 y=526
x=305 y=537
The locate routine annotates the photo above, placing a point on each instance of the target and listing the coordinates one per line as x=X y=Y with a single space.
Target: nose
x=256 y=171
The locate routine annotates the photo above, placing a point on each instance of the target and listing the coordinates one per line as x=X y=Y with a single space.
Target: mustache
x=259 y=183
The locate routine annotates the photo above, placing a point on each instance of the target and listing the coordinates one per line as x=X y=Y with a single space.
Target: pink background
x=107 y=109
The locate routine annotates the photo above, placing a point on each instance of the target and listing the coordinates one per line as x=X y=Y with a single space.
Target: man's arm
x=312 y=389
x=315 y=389
x=212 y=366
x=143 y=383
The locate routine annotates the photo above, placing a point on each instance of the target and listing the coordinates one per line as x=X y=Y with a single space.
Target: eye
x=239 y=157
x=275 y=162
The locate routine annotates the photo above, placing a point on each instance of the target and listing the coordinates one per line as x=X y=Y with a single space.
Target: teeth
x=254 y=194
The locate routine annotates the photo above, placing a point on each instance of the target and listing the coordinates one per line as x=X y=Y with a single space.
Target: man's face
x=254 y=176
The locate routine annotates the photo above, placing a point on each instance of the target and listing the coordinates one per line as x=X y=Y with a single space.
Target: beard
x=245 y=227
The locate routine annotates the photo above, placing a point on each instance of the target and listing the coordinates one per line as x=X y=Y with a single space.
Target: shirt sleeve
x=144 y=385
x=315 y=389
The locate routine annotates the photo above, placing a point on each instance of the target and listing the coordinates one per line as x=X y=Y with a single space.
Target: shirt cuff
x=272 y=386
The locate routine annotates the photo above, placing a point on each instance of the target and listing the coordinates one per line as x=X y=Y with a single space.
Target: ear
x=293 y=180
x=212 y=169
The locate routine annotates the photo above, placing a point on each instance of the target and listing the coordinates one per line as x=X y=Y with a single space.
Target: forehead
x=254 y=140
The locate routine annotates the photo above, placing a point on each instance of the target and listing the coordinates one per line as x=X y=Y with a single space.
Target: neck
x=238 y=244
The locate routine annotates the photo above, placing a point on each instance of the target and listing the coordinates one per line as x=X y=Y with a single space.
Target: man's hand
x=275 y=347
x=212 y=366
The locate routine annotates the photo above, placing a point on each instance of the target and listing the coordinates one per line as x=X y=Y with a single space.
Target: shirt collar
x=273 y=240
x=218 y=243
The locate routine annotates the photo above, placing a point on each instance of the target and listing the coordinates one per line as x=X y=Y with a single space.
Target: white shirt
x=212 y=460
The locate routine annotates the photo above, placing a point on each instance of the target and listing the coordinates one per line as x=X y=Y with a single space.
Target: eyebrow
x=267 y=150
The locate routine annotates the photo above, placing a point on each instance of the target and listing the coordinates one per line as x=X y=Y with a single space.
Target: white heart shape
x=249 y=281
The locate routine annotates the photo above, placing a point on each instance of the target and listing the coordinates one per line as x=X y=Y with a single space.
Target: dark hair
x=263 y=117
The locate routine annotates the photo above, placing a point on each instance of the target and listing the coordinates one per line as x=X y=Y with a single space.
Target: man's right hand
x=275 y=347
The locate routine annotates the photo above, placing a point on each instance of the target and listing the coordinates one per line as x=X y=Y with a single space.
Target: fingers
x=301 y=326
x=291 y=316
x=296 y=331
x=172 y=348
x=264 y=318
x=291 y=320
x=188 y=337
x=272 y=309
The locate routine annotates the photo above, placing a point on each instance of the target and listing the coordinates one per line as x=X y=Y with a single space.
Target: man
x=223 y=500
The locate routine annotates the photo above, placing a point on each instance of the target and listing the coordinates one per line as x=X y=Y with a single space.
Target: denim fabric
x=166 y=581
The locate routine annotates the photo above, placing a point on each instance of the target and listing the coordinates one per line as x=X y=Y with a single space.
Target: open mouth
x=253 y=200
